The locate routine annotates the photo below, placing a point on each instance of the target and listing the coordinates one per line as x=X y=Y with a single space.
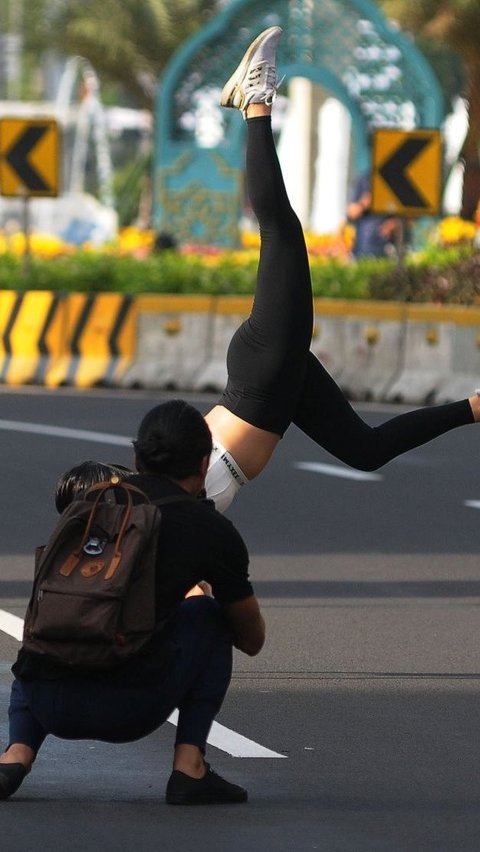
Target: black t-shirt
x=195 y=543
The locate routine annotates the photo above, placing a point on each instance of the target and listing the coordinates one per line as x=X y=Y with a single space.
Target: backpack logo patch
x=90 y=569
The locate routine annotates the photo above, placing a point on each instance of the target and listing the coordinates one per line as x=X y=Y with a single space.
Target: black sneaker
x=209 y=790
x=11 y=776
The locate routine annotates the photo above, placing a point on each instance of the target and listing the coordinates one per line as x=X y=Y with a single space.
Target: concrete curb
x=384 y=351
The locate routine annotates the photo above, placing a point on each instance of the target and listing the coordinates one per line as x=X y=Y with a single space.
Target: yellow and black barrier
x=174 y=340
x=29 y=334
x=376 y=350
x=52 y=339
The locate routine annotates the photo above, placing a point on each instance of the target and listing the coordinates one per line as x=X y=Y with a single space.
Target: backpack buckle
x=94 y=546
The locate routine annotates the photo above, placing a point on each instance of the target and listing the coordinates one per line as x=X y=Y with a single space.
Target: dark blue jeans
x=195 y=681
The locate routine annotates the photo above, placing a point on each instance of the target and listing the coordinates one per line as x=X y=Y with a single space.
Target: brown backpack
x=93 y=597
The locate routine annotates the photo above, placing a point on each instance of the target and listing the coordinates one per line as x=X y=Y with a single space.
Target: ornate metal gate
x=346 y=46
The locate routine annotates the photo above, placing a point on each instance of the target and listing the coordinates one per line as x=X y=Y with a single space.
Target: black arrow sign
x=393 y=172
x=17 y=158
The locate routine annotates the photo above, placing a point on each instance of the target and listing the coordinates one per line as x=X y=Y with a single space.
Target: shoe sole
x=207 y=799
x=233 y=84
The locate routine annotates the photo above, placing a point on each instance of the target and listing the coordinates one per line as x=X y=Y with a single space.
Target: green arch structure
x=346 y=46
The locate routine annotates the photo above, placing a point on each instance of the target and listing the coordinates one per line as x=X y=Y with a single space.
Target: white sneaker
x=255 y=79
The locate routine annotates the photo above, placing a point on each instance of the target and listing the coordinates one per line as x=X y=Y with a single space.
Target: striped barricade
x=173 y=341
x=99 y=335
x=328 y=337
x=376 y=350
x=427 y=364
x=464 y=377
x=373 y=348
x=229 y=313
x=31 y=338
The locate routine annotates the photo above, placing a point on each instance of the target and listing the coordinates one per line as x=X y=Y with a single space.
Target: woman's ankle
x=475 y=406
x=18 y=753
x=189 y=760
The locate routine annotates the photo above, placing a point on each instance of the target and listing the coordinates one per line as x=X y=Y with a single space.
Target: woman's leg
x=266 y=358
x=107 y=709
x=26 y=734
x=326 y=416
x=195 y=676
x=267 y=355
x=202 y=672
x=203 y=668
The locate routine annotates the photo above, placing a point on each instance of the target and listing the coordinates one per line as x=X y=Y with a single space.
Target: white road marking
x=11 y=624
x=341 y=472
x=64 y=432
x=220 y=737
x=472 y=504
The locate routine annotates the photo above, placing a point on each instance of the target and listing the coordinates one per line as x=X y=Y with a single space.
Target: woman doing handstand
x=273 y=378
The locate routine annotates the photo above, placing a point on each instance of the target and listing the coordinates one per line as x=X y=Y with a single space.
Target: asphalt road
x=369 y=681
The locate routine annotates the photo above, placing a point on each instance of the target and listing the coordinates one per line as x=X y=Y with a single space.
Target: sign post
x=27 y=253
x=29 y=164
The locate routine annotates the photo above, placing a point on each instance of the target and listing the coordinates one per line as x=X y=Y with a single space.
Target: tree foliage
x=128 y=42
x=455 y=23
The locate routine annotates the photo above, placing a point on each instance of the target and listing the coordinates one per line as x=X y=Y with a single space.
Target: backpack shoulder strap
x=103 y=487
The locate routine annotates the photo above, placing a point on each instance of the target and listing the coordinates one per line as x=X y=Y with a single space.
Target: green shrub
x=451 y=275
x=335 y=280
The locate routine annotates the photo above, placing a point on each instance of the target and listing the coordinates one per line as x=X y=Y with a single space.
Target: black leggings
x=273 y=378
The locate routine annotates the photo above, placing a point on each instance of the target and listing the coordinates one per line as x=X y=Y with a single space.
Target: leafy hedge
x=448 y=275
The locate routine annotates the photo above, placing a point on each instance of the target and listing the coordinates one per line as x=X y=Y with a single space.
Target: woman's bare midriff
x=250 y=446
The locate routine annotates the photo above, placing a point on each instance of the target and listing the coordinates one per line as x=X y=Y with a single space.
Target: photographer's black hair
x=73 y=483
x=173 y=439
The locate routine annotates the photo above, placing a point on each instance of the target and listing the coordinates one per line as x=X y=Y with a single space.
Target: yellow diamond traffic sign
x=29 y=157
x=406 y=172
